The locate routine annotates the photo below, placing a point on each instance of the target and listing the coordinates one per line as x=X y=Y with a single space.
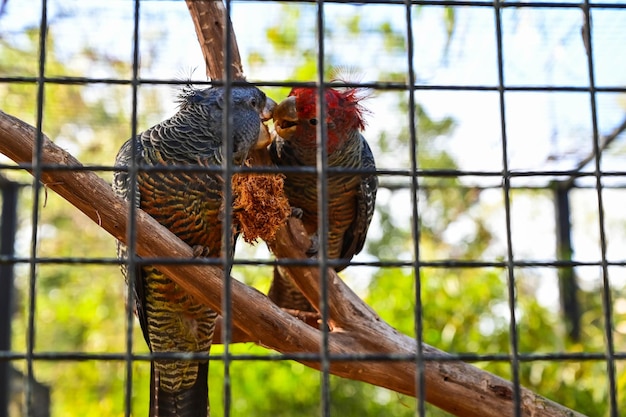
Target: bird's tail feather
x=190 y=402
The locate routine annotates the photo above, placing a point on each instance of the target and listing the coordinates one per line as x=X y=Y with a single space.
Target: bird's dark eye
x=253 y=102
x=313 y=122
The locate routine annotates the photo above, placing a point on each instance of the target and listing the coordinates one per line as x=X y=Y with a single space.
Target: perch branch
x=210 y=20
x=454 y=386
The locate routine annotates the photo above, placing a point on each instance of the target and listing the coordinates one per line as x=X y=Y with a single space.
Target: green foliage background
x=80 y=307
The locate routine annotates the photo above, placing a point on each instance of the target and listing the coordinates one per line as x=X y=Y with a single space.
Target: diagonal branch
x=452 y=385
x=605 y=142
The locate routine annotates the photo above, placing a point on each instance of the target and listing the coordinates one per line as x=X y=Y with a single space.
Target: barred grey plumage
x=190 y=205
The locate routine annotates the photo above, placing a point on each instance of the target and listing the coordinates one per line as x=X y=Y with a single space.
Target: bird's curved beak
x=265 y=138
x=268 y=110
x=286 y=118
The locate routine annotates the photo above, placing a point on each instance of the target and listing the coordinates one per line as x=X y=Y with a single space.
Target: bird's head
x=295 y=118
x=250 y=110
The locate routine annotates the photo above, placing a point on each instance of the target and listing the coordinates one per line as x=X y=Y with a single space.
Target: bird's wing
x=121 y=187
x=354 y=238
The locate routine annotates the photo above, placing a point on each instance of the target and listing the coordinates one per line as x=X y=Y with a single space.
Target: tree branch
x=210 y=20
x=605 y=142
x=454 y=386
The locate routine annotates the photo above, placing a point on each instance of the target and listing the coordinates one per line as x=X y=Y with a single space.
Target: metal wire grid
x=414 y=174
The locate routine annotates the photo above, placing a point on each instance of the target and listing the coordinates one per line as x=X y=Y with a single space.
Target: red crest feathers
x=344 y=108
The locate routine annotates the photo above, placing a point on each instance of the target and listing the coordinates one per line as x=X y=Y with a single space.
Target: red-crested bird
x=351 y=196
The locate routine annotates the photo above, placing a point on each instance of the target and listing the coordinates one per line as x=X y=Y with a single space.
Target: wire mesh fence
x=498 y=236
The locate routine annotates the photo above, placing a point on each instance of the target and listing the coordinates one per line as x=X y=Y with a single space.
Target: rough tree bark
x=210 y=20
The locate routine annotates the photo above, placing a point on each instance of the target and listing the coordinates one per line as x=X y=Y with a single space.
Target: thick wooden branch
x=454 y=386
x=210 y=20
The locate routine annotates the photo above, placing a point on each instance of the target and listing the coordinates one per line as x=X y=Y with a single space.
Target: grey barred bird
x=190 y=204
x=351 y=196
